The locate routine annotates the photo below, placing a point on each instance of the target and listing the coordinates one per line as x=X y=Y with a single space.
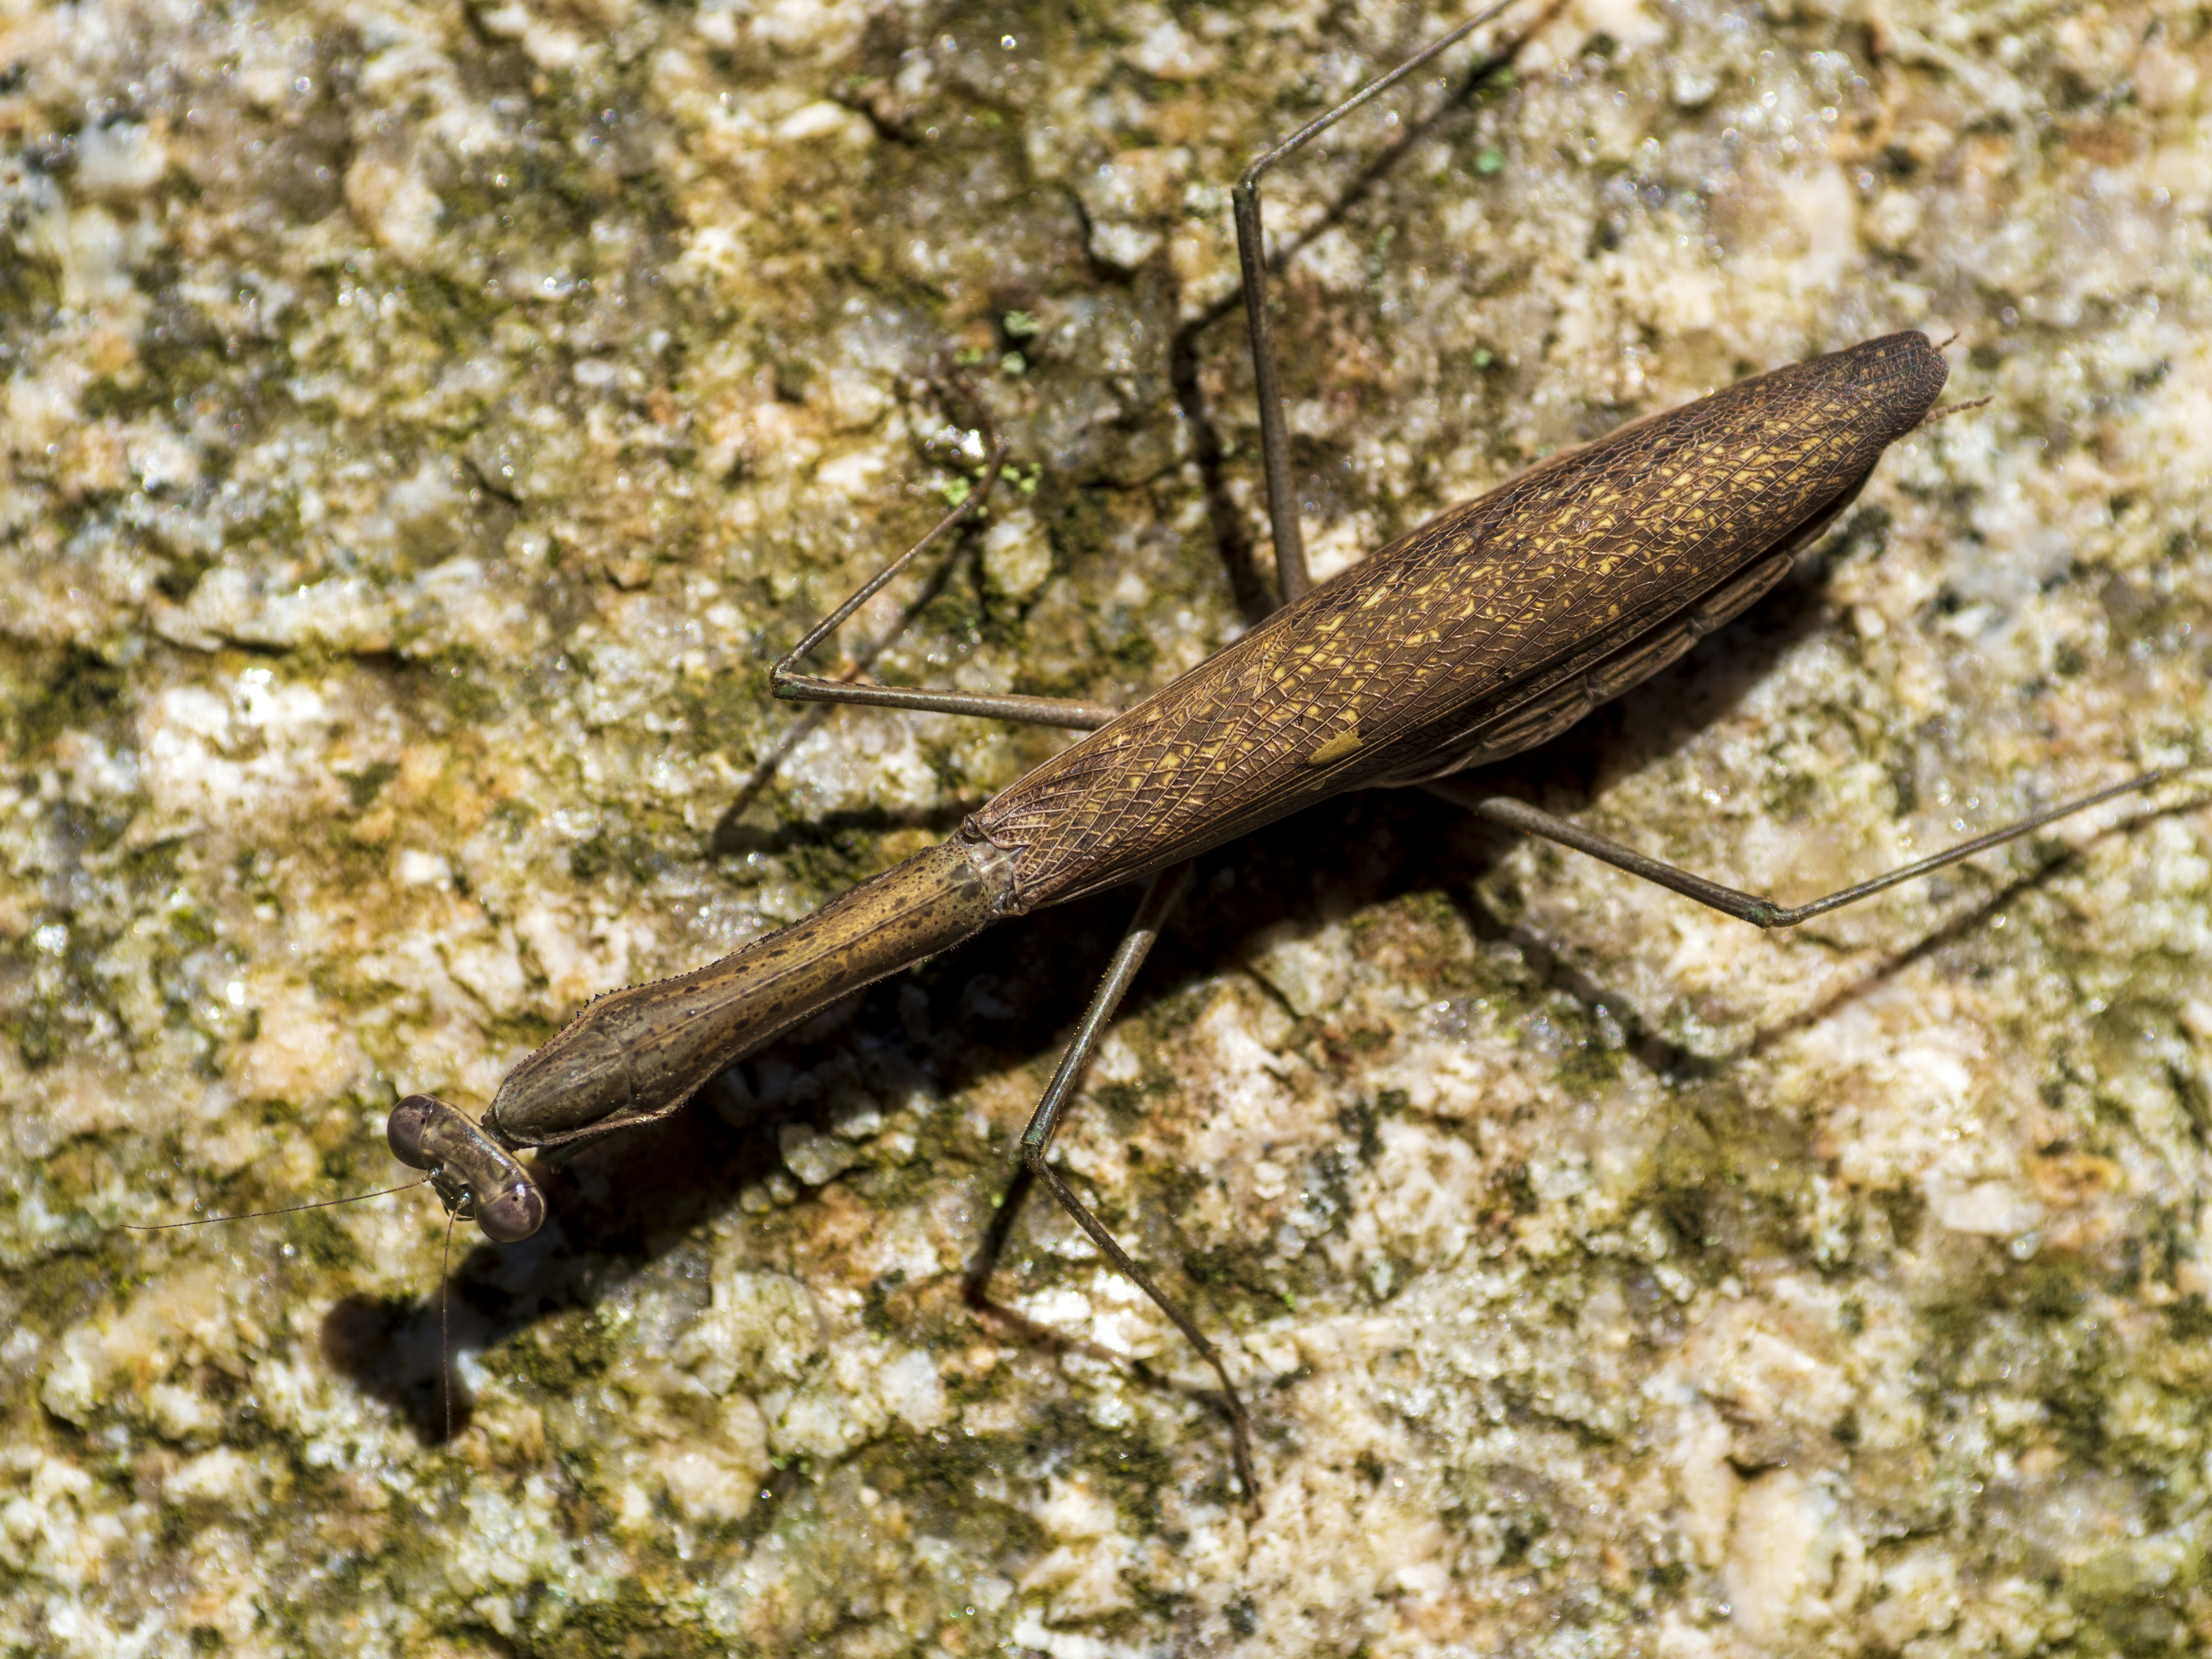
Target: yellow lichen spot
x=1337 y=747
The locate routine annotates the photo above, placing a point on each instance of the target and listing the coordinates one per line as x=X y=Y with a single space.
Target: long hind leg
x=1750 y=907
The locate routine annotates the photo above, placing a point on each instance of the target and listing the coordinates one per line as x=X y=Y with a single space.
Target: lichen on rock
x=423 y=425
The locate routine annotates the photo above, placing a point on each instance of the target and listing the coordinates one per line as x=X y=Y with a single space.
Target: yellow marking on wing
x=1337 y=747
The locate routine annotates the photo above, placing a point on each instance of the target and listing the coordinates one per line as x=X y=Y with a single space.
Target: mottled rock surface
x=423 y=423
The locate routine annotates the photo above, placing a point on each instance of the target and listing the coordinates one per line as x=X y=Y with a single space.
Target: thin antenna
x=1947 y=409
x=256 y=1215
x=445 y=1325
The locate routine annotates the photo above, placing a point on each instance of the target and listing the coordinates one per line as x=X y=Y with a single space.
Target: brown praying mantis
x=1487 y=631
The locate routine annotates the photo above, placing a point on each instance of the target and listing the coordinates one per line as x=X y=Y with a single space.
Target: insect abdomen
x=1395 y=670
x=1551 y=713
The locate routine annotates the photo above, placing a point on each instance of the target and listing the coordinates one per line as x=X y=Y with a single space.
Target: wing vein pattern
x=1393 y=670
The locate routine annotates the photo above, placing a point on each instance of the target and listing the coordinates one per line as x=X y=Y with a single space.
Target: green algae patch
x=418 y=444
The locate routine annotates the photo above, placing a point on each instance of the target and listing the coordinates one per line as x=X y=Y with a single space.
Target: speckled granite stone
x=423 y=424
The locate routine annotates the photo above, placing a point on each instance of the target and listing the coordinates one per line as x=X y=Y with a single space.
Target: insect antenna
x=256 y=1215
x=445 y=1265
x=1944 y=412
x=445 y=1326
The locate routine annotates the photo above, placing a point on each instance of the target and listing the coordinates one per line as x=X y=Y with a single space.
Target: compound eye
x=513 y=1214
x=405 y=1130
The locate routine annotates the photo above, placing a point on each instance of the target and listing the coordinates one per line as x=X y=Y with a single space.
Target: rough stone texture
x=423 y=422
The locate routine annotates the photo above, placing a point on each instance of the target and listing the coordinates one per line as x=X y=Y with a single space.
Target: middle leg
x=1161 y=895
x=787 y=682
